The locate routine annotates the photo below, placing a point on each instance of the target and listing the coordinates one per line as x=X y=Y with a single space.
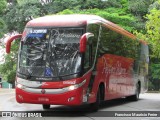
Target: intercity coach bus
x=78 y=59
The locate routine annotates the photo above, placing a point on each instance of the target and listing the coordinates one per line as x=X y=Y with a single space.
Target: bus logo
x=43 y=91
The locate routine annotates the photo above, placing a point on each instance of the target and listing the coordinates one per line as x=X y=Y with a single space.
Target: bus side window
x=144 y=53
x=130 y=47
x=104 y=42
x=144 y=58
x=110 y=42
x=87 y=59
x=90 y=53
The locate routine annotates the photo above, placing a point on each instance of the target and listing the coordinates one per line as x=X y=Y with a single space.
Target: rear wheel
x=45 y=106
x=136 y=96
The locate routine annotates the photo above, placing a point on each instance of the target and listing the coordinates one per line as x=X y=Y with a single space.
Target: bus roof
x=75 y=20
x=62 y=20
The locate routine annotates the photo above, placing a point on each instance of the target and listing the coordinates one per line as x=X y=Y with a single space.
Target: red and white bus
x=78 y=59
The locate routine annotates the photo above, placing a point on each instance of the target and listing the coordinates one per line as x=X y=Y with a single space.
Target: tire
x=95 y=106
x=136 y=96
x=45 y=106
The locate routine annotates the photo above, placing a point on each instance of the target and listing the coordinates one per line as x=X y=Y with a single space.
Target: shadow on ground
x=84 y=110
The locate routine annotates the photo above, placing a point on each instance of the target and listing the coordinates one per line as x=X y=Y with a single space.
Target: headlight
x=19 y=86
x=73 y=87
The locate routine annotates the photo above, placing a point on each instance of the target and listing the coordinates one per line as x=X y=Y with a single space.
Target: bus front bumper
x=73 y=97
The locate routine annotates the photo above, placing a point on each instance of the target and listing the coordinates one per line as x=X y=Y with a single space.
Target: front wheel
x=45 y=106
x=95 y=106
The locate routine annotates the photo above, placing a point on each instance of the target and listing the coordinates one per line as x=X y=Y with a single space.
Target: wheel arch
x=102 y=90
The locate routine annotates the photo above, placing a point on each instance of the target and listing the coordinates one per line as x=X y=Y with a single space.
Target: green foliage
x=24 y=2
x=2 y=27
x=155 y=70
x=151 y=86
x=155 y=5
x=8 y=69
x=3 y=5
x=59 y=5
x=113 y=3
x=91 y=4
x=18 y=15
x=152 y=35
x=115 y=15
x=155 y=76
x=153 y=32
x=139 y=7
x=67 y=11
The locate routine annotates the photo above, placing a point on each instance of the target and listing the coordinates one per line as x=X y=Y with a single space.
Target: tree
x=3 y=5
x=17 y=15
x=154 y=5
x=153 y=31
x=139 y=8
x=152 y=35
x=116 y=15
x=8 y=69
x=155 y=79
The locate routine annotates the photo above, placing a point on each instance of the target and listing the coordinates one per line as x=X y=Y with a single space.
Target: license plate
x=43 y=99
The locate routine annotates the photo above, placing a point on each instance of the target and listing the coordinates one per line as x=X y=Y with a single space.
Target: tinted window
x=112 y=42
x=92 y=44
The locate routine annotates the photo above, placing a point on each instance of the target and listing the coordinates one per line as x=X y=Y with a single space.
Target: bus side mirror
x=10 y=40
x=83 y=41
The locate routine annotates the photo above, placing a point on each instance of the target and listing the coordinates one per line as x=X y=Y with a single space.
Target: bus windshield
x=50 y=52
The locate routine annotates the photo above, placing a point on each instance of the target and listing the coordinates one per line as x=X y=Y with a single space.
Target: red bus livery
x=78 y=59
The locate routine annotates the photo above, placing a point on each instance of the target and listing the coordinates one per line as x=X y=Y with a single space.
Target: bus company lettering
x=117 y=69
x=70 y=35
x=69 y=82
x=39 y=31
x=64 y=35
